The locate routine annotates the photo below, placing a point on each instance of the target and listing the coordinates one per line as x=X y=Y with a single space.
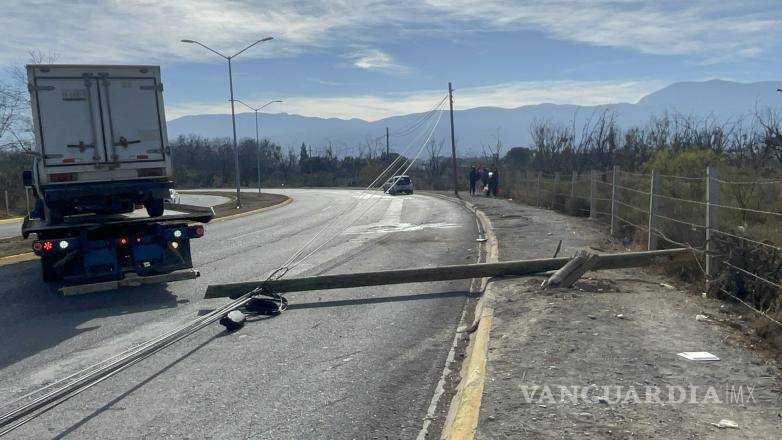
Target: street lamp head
x=277 y=101
x=267 y=39
x=187 y=41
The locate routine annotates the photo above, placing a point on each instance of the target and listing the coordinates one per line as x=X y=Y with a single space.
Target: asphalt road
x=354 y=363
x=13 y=229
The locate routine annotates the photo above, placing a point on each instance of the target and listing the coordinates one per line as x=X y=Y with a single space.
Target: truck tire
x=48 y=271
x=154 y=207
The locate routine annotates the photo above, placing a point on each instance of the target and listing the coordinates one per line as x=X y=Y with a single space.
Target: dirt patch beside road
x=619 y=329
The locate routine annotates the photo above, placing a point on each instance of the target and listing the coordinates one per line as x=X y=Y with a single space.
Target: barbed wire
x=633 y=190
x=749 y=182
x=632 y=207
x=694 y=225
x=747 y=239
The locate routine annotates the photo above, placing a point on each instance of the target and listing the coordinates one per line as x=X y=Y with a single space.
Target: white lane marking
x=401 y=227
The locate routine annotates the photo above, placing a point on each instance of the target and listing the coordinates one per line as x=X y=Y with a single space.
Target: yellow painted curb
x=18 y=258
x=468 y=404
x=11 y=220
x=464 y=411
x=287 y=201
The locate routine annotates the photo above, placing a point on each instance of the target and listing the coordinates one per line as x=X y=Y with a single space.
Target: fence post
x=592 y=194
x=651 y=244
x=7 y=207
x=554 y=191
x=573 y=178
x=537 y=191
x=614 y=219
x=712 y=217
x=27 y=198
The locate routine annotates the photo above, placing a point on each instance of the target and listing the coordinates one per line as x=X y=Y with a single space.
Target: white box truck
x=100 y=140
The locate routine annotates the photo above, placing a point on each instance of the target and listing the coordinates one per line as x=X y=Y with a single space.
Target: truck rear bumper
x=104 y=196
x=130 y=280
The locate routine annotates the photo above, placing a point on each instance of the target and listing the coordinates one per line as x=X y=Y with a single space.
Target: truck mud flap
x=130 y=280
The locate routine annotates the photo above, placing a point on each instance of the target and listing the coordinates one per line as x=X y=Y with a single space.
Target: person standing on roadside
x=473 y=179
x=494 y=182
x=485 y=180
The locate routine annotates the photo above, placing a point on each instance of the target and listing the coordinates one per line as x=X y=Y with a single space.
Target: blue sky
x=370 y=59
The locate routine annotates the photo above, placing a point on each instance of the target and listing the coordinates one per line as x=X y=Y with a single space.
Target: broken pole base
x=568 y=274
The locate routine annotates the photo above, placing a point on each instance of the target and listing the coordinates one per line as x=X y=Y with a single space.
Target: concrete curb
x=18 y=258
x=285 y=202
x=464 y=410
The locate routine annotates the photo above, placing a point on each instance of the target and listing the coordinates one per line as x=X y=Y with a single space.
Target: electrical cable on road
x=255 y=301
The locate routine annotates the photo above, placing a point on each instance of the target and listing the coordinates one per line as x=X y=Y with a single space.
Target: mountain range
x=723 y=100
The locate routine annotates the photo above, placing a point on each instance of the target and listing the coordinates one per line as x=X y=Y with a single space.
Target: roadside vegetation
x=573 y=172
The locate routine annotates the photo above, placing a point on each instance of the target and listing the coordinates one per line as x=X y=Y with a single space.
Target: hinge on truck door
x=81 y=146
x=158 y=87
x=124 y=142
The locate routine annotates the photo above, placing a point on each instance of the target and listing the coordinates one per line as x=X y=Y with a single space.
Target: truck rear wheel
x=154 y=207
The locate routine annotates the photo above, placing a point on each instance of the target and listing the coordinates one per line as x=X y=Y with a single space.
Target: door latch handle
x=81 y=146
x=124 y=142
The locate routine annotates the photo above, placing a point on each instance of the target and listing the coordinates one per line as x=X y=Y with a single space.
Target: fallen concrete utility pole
x=444 y=273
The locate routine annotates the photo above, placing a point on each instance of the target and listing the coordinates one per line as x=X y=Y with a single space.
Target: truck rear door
x=68 y=115
x=131 y=119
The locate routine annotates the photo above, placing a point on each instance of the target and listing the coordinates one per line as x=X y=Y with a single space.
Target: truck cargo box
x=98 y=130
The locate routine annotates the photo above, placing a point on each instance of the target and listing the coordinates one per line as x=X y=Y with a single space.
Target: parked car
x=398 y=185
x=173 y=197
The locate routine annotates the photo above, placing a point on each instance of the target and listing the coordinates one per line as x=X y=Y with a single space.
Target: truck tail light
x=48 y=246
x=37 y=247
x=197 y=231
x=123 y=241
x=63 y=177
x=150 y=172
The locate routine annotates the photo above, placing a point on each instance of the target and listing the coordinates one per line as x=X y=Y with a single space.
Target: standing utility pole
x=233 y=114
x=453 y=144
x=388 y=151
x=257 y=138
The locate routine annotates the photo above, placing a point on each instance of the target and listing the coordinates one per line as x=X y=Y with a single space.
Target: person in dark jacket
x=494 y=181
x=474 y=176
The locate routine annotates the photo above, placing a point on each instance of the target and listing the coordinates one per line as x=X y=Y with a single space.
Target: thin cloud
x=149 y=30
x=376 y=59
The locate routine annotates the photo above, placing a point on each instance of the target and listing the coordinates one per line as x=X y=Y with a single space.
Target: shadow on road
x=377 y=300
x=35 y=317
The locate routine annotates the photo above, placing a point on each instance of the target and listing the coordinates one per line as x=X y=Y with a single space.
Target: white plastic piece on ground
x=698 y=356
x=701 y=318
x=726 y=423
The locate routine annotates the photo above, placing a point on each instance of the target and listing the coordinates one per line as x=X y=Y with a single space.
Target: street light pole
x=257 y=137
x=233 y=114
x=236 y=147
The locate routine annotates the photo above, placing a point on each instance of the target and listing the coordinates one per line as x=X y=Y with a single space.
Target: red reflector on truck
x=149 y=172
x=71 y=160
x=142 y=157
x=62 y=177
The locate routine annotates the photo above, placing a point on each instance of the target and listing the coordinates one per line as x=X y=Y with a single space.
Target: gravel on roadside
x=588 y=362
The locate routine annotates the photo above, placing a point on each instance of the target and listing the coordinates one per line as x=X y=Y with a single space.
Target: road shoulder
x=620 y=329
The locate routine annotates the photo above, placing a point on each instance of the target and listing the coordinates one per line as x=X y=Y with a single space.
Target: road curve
x=354 y=363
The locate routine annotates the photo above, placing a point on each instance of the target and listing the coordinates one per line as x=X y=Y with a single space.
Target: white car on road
x=398 y=185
